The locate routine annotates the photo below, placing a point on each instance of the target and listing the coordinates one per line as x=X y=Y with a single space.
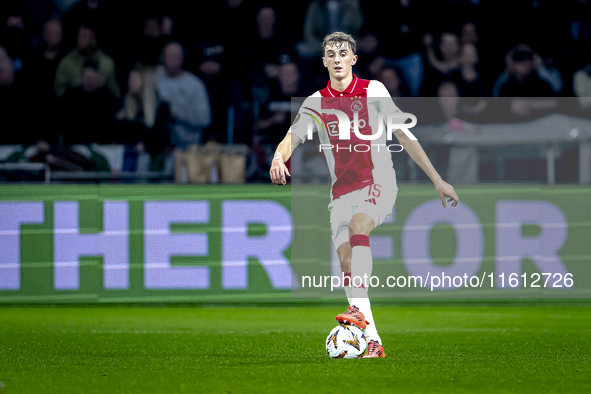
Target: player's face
x=339 y=59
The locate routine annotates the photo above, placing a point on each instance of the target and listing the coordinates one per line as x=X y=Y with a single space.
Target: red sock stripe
x=347 y=279
x=359 y=240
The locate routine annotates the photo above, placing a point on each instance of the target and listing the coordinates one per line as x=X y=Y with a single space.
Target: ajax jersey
x=353 y=163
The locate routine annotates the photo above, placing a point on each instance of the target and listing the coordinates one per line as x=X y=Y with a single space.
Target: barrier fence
x=247 y=243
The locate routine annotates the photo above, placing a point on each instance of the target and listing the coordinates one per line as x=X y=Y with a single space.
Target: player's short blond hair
x=338 y=39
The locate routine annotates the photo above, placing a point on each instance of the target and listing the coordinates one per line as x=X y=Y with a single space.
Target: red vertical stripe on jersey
x=352 y=168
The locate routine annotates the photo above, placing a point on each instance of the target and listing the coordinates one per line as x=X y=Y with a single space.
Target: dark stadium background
x=253 y=57
x=144 y=249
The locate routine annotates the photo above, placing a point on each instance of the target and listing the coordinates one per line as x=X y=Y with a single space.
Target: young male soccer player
x=363 y=179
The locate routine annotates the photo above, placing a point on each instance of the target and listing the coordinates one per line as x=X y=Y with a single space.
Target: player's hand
x=447 y=192
x=428 y=39
x=278 y=171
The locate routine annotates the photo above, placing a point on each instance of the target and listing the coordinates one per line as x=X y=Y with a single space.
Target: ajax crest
x=356 y=106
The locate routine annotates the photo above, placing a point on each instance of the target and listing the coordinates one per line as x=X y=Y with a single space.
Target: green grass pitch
x=429 y=349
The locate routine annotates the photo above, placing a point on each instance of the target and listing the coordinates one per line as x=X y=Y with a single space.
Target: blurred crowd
x=151 y=78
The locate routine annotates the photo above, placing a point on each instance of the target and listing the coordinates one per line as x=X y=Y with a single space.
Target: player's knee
x=346 y=263
x=357 y=227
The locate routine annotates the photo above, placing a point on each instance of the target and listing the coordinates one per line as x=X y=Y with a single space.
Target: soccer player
x=363 y=179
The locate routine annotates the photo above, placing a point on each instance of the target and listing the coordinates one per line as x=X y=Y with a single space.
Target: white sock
x=364 y=305
x=371 y=332
x=349 y=294
x=362 y=264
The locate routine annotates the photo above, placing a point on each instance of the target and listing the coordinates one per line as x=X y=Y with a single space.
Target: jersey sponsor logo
x=361 y=124
x=333 y=128
x=345 y=125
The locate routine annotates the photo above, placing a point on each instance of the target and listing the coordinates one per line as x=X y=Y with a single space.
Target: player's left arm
x=416 y=152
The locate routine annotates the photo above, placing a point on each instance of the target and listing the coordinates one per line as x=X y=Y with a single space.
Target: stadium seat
x=82 y=150
x=113 y=153
x=11 y=153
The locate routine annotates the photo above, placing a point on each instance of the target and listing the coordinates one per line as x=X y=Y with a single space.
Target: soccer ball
x=346 y=341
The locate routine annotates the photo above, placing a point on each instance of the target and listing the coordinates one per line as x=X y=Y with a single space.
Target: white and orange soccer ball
x=345 y=341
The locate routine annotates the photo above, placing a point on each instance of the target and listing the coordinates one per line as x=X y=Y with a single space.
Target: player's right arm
x=296 y=134
x=282 y=154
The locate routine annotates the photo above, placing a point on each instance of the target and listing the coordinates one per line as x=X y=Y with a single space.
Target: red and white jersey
x=354 y=163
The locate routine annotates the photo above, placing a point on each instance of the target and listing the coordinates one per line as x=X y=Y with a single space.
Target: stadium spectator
x=13 y=104
x=470 y=83
x=88 y=111
x=143 y=123
x=373 y=61
x=439 y=69
x=37 y=12
x=374 y=67
x=88 y=13
x=448 y=98
x=467 y=77
x=47 y=57
x=6 y=68
x=327 y=16
x=16 y=39
x=186 y=96
x=276 y=110
x=70 y=70
x=138 y=114
x=139 y=103
x=137 y=119
x=404 y=24
x=445 y=108
x=225 y=94
x=469 y=34
x=582 y=88
x=40 y=77
x=448 y=106
x=268 y=44
x=224 y=17
x=395 y=82
x=27 y=118
x=368 y=44
x=523 y=81
x=148 y=49
x=531 y=69
x=449 y=46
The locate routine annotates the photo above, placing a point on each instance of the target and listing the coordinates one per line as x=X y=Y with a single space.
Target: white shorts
x=375 y=200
